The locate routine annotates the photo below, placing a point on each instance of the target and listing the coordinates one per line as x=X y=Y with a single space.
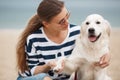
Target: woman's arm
x=42 y=69
x=45 y=68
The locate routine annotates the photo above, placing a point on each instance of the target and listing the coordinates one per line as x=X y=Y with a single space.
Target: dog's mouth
x=94 y=38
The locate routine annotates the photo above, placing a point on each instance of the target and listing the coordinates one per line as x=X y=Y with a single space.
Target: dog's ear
x=108 y=27
x=82 y=28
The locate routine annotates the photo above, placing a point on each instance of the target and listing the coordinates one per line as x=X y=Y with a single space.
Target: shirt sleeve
x=32 y=56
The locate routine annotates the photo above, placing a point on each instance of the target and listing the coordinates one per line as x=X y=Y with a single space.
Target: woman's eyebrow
x=63 y=18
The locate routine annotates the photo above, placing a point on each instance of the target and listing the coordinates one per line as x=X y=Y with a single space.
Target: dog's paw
x=60 y=65
x=57 y=69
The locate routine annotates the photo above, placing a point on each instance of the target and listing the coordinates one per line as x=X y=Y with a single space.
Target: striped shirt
x=40 y=50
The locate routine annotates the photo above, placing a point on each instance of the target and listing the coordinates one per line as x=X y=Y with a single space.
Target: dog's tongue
x=92 y=39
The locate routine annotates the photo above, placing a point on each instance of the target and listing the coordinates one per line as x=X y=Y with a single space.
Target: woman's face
x=59 y=22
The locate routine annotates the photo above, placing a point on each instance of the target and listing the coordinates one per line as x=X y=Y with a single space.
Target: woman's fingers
x=104 y=60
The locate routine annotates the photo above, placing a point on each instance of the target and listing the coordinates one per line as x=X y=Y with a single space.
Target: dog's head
x=95 y=27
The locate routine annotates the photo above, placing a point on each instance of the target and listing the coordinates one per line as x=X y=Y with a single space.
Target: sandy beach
x=9 y=38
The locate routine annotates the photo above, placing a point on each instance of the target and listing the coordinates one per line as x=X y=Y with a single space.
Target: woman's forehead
x=61 y=15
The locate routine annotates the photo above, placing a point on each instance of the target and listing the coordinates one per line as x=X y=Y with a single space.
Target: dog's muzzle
x=92 y=37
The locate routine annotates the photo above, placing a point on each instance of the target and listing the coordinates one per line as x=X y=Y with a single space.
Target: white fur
x=86 y=53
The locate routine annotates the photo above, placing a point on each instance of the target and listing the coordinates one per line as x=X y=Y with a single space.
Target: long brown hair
x=47 y=9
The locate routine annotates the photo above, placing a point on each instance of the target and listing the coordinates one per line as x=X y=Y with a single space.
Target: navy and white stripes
x=40 y=49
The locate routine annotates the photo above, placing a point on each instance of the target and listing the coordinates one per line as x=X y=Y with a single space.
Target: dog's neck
x=95 y=49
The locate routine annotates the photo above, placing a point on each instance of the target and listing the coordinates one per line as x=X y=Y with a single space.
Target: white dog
x=92 y=43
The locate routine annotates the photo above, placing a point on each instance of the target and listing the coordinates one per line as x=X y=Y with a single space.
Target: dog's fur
x=92 y=43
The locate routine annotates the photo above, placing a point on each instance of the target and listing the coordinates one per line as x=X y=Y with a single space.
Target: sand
x=9 y=38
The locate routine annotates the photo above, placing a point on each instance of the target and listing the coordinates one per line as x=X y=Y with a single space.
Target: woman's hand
x=104 y=61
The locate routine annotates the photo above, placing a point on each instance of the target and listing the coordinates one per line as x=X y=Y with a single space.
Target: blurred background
x=15 y=13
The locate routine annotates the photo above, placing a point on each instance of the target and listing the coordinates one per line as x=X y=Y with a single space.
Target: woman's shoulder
x=35 y=34
x=74 y=30
x=73 y=25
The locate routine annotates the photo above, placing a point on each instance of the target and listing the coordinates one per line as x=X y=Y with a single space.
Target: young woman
x=47 y=37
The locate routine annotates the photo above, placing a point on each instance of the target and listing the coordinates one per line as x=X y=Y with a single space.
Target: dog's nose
x=91 y=30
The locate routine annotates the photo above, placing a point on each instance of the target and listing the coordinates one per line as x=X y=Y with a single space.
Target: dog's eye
x=87 y=23
x=98 y=22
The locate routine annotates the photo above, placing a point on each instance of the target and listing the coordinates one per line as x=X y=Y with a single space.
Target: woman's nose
x=66 y=22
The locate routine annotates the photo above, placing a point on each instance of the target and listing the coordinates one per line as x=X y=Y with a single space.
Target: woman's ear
x=45 y=23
